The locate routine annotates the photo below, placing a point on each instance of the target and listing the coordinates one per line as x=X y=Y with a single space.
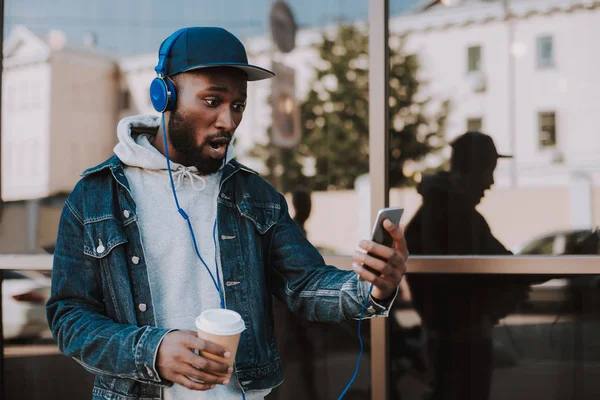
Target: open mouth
x=219 y=147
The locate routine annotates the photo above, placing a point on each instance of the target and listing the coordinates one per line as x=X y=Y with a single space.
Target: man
x=459 y=312
x=129 y=277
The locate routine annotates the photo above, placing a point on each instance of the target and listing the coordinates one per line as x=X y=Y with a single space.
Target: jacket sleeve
x=75 y=313
x=299 y=277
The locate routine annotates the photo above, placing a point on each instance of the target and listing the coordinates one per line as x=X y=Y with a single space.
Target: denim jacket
x=100 y=310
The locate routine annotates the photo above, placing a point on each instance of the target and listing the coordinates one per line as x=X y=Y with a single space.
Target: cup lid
x=217 y=321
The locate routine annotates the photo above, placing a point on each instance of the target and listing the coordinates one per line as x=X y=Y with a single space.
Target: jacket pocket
x=101 y=236
x=263 y=215
x=104 y=240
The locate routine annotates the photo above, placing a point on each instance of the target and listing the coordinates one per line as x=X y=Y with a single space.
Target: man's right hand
x=177 y=361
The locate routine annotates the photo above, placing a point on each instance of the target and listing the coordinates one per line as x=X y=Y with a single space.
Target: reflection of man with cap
x=474 y=157
x=447 y=222
x=173 y=225
x=459 y=312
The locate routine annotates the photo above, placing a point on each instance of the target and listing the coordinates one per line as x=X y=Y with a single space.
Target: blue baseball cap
x=204 y=47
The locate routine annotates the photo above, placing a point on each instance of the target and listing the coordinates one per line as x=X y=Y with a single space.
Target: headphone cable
x=360 y=318
x=217 y=281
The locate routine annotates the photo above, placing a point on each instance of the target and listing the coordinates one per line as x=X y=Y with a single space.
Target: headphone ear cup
x=172 y=101
x=159 y=95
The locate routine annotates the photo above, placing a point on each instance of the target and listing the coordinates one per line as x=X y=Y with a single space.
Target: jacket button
x=100 y=249
x=135 y=260
x=126 y=213
x=142 y=307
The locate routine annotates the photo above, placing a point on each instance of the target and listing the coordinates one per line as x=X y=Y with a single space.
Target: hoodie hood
x=135 y=147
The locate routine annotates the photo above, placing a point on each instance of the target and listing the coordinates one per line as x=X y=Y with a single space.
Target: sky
x=138 y=26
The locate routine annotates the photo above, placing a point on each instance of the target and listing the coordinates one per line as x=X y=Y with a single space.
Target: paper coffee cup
x=222 y=327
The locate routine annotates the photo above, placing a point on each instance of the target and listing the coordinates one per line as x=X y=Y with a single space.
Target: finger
x=376 y=249
x=190 y=384
x=397 y=233
x=195 y=343
x=397 y=263
x=368 y=276
x=375 y=263
x=204 y=377
x=210 y=366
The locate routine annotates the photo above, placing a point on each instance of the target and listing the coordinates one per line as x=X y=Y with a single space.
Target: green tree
x=335 y=118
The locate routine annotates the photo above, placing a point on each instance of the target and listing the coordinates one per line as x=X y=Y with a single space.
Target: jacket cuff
x=146 y=353
x=385 y=304
x=374 y=309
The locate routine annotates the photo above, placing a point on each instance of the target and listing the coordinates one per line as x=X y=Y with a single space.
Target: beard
x=183 y=139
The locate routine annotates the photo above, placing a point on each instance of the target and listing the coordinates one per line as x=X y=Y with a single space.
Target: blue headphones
x=162 y=90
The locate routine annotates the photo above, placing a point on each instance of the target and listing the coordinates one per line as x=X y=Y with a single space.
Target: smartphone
x=379 y=234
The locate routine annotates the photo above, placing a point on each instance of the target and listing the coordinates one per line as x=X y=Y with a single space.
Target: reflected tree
x=335 y=138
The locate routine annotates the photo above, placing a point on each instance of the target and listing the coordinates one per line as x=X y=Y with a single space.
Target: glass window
x=545 y=51
x=526 y=185
x=124 y=100
x=547 y=129
x=474 y=58
x=474 y=124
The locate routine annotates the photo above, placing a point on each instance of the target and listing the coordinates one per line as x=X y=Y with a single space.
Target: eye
x=212 y=102
x=239 y=107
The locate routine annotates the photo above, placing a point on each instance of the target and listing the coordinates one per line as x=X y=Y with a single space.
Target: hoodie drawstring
x=181 y=172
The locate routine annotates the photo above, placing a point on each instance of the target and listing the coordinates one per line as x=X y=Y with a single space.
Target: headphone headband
x=162 y=91
x=163 y=53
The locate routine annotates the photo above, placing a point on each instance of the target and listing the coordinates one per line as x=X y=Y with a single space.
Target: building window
x=474 y=124
x=124 y=100
x=547 y=129
x=474 y=59
x=545 y=52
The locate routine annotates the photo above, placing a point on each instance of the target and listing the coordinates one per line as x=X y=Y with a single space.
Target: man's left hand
x=392 y=270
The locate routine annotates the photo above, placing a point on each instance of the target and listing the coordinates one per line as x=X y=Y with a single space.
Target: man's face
x=210 y=105
x=483 y=180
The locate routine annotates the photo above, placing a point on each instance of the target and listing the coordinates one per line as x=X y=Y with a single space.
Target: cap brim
x=504 y=156
x=254 y=73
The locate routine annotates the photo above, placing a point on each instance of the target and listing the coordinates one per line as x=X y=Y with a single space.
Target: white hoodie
x=181 y=286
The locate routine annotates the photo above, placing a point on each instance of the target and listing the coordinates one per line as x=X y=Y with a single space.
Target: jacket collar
x=111 y=163
x=232 y=167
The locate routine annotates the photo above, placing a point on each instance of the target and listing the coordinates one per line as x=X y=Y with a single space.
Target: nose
x=226 y=121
